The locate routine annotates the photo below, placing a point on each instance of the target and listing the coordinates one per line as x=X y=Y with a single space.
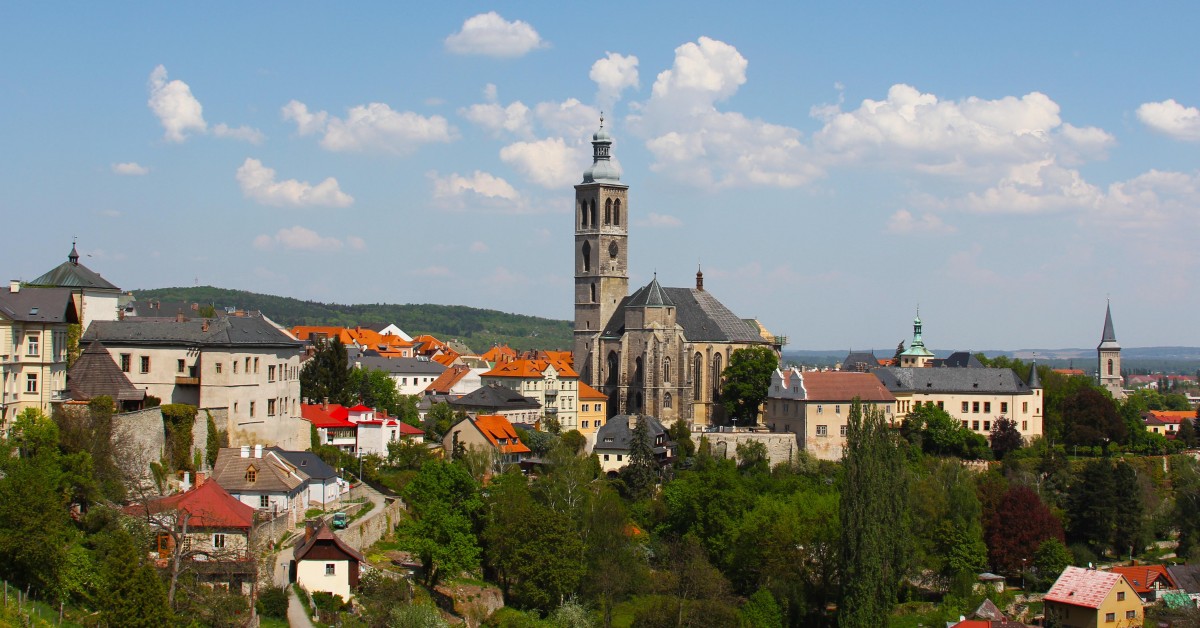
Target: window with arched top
x=593 y=286
x=592 y=213
x=639 y=373
x=716 y=376
x=586 y=252
x=583 y=213
x=697 y=373
x=1110 y=367
x=666 y=369
x=608 y=211
x=667 y=400
x=617 y=212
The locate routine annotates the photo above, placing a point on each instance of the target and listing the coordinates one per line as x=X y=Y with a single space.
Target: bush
x=273 y=602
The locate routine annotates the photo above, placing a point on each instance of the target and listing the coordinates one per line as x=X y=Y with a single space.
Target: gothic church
x=659 y=351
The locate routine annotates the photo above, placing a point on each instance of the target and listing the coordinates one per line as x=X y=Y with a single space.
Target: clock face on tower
x=612 y=249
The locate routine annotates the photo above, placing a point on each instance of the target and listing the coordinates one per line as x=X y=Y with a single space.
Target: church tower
x=1108 y=371
x=601 y=253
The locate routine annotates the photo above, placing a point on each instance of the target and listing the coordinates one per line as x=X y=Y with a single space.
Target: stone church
x=659 y=351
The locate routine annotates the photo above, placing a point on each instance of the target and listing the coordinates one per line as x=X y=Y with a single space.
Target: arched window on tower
x=667 y=400
x=583 y=214
x=586 y=252
x=593 y=286
x=666 y=369
x=617 y=212
x=592 y=214
x=697 y=375
x=608 y=211
x=716 y=376
x=1110 y=367
x=639 y=373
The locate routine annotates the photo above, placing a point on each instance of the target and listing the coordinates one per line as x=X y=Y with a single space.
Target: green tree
x=1090 y=418
x=438 y=421
x=874 y=515
x=681 y=434
x=444 y=502
x=614 y=565
x=134 y=594
x=374 y=388
x=1050 y=559
x=746 y=381
x=1092 y=507
x=643 y=472
x=753 y=458
x=761 y=611
x=215 y=441
x=326 y=374
x=939 y=434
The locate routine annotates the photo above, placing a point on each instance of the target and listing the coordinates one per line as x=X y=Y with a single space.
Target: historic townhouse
x=815 y=406
x=551 y=383
x=33 y=348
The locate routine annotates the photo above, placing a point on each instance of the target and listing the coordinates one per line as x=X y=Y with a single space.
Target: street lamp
x=1022 y=575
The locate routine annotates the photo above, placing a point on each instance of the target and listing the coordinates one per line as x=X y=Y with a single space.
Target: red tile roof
x=589 y=393
x=844 y=386
x=531 y=369
x=209 y=505
x=500 y=354
x=1082 y=587
x=496 y=428
x=447 y=379
x=334 y=415
x=1174 y=417
x=1142 y=577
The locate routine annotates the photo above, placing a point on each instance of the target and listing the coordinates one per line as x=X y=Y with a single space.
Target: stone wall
x=780 y=447
x=290 y=433
x=374 y=526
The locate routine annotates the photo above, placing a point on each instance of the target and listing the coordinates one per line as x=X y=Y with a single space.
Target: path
x=297 y=618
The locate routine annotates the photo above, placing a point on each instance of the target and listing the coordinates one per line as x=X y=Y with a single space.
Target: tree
x=1005 y=437
x=874 y=515
x=374 y=388
x=642 y=473
x=761 y=611
x=614 y=566
x=134 y=594
x=325 y=375
x=746 y=381
x=1050 y=559
x=1187 y=433
x=939 y=434
x=1020 y=524
x=898 y=353
x=1091 y=506
x=444 y=501
x=753 y=458
x=438 y=420
x=1090 y=418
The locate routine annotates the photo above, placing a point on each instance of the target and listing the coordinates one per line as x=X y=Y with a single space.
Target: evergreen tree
x=326 y=374
x=1128 y=522
x=134 y=594
x=1091 y=506
x=643 y=472
x=874 y=516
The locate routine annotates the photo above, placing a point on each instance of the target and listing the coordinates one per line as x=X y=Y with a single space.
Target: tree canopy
x=747 y=380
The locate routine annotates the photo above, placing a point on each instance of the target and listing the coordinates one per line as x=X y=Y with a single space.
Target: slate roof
x=843 y=386
x=959 y=359
x=860 y=361
x=307 y=463
x=1108 y=338
x=617 y=429
x=325 y=536
x=651 y=295
x=273 y=474
x=95 y=373
x=209 y=505
x=72 y=274
x=702 y=317
x=951 y=380
x=226 y=331
x=38 y=305
x=401 y=366
x=1186 y=577
x=1082 y=587
x=497 y=397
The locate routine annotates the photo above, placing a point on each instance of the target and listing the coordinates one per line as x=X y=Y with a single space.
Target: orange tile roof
x=531 y=369
x=447 y=380
x=1082 y=587
x=362 y=336
x=1069 y=371
x=587 y=392
x=446 y=359
x=844 y=386
x=500 y=354
x=496 y=428
x=1173 y=416
x=1142 y=577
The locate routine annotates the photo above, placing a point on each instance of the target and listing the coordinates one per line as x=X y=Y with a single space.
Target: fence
x=27 y=611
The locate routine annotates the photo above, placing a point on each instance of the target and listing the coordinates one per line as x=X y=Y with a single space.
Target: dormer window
x=251 y=474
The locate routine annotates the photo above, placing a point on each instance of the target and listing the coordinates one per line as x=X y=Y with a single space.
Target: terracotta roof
x=844 y=386
x=1174 y=417
x=209 y=505
x=495 y=428
x=589 y=393
x=446 y=359
x=1083 y=587
x=1142 y=577
x=1069 y=371
x=531 y=369
x=447 y=380
x=334 y=415
x=500 y=354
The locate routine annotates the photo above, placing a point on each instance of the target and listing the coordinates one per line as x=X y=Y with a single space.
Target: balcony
x=551 y=393
x=186 y=380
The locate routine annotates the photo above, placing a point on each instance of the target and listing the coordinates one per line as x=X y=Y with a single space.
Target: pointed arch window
x=1110 y=366
x=583 y=213
x=608 y=211
x=586 y=252
x=697 y=375
x=617 y=212
x=716 y=375
x=666 y=369
x=667 y=400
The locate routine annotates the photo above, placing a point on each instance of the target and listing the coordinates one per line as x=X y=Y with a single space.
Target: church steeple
x=73 y=256
x=603 y=169
x=916 y=355
x=1108 y=353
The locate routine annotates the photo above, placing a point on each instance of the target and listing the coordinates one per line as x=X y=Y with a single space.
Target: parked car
x=339 y=521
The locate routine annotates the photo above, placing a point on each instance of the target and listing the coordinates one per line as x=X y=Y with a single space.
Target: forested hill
x=478 y=328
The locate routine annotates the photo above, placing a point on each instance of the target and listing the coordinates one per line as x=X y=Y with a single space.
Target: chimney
x=179 y=316
x=245 y=451
x=204 y=325
x=258 y=451
x=632 y=422
x=14 y=285
x=325 y=403
x=200 y=478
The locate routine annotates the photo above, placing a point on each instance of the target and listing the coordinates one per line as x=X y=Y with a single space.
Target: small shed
x=323 y=562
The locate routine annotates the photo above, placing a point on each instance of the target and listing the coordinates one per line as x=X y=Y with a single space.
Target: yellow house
x=33 y=348
x=593 y=409
x=552 y=382
x=1087 y=598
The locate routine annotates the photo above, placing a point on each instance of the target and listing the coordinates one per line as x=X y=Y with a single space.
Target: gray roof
x=95 y=374
x=1034 y=380
x=497 y=397
x=959 y=359
x=861 y=361
x=307 y=463
x=270 y=477
x=1186 y=577
x=400 y=366
x=227 y=331
x=38 y=305
x=72 y=274
x=1108 y=339
x=702 y=317
x=617 y=429
x=951 y=380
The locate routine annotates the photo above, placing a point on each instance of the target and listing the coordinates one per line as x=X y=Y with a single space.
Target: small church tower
x=1108 y=371
x=916 y=355
x=601 y=253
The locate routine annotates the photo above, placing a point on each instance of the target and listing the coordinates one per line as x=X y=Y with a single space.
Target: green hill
x=478 y=328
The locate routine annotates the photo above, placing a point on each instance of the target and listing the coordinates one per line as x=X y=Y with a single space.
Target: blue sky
x=1006 y=166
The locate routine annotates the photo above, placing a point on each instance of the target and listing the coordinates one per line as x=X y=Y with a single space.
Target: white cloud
x=1036 y=187
x=569 y=118
x=659 y=220
x=496 y=119
x=903 y=221
x=490 y=92
x=491 y=35
x=478 y=247
x=549 y=163
x=177 y=110
x=356 y=243
x=131 y=168
x=690 y=139
x=306 y=123
x=431 y=271
x=480 y=184
x=243 y=133
x=374 y=126
x=614 y=74
x=298 y=238
x=258 y=183
x=1171 y=119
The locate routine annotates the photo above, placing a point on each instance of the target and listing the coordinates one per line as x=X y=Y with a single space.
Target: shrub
x=273 y=602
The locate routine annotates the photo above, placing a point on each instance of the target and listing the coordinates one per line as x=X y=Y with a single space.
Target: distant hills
x=1133 y=359
x=478 y=328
